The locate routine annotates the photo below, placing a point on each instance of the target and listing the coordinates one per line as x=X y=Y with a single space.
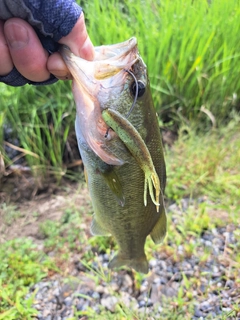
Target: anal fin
x=113 y=182
x=97 y=229
x=159 y=230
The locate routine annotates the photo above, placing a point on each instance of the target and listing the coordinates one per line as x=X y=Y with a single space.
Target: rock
x=202 y=288
x=164 y=280
x=109 y=303
x=226 y=309
x=229 y=284
x=208 y=243
x=205 y=306
x=217 y=309
x=144 y=286
x=95 y=295
x=198 y=313
x=177 y=276
x=106 y=257
x=85 y=306
x=226 y=303
x=128 y=301
x=68 y=301
x=154 y=296
x=153 y=263
x=46 y=313
x=127 y=281
x=141 y=303
x=168 y=291
x=162 y=265
x=114 y=286
x=101 y=289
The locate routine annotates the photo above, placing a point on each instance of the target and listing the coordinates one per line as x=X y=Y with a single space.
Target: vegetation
x=21 y=266
x=191 y=50
x=193 y=171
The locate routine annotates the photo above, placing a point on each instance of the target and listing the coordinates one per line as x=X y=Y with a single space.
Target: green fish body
x=122 y=151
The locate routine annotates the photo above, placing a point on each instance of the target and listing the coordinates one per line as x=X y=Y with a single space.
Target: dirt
x=23 y=217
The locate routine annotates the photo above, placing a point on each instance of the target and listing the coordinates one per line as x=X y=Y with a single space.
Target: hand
x=20 y=47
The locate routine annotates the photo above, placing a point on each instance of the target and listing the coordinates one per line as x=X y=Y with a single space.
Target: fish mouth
x=108 y=61
x=94 y=84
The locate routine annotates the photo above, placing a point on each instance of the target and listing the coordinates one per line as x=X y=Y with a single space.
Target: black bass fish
x=121 y=148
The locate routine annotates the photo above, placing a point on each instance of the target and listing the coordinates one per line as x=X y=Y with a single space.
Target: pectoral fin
x=159 y=231
x=136 y=145
x=97 y=229
x=86 y=175
x=113 y=182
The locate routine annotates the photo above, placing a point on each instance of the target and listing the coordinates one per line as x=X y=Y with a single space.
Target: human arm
x=52 y=21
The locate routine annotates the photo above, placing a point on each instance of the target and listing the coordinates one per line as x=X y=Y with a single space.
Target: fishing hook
x=136 y=93
x=134 y=101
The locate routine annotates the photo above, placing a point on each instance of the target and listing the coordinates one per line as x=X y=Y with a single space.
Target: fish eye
x=141 y=88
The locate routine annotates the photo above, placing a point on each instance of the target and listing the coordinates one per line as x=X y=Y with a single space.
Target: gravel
x=215 y=290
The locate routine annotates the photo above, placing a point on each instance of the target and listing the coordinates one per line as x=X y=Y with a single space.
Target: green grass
x=190 y=48
x=9 y=214
x=41 y=119
x=21 y=265
x=210 y=159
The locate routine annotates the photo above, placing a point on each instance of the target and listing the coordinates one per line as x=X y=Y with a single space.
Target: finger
x=78 y=40
x=6 y=64
x=26 y=50
x=57 y=67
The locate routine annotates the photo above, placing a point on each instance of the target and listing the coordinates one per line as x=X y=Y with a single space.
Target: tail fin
x=140 y=264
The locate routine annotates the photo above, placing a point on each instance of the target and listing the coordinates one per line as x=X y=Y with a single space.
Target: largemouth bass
x=121 y=148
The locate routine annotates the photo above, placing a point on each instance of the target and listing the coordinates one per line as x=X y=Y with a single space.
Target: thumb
x=78 y=40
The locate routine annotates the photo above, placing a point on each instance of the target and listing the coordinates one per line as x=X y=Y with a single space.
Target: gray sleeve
x=51 y=19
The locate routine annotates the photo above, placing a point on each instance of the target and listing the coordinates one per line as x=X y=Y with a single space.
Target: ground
x=52 y=268
x=23 y=218
x=193 y=277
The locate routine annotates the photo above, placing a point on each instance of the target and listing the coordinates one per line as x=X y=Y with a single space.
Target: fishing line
x=136 y=93
x=134 y=101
